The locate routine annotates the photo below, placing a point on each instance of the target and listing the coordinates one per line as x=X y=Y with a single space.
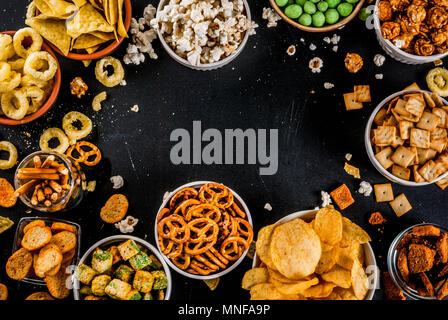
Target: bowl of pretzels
x=203 y=230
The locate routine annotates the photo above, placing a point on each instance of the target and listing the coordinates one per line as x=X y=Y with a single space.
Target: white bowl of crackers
x=406 y=138
x=313 y=255
x=203 y=230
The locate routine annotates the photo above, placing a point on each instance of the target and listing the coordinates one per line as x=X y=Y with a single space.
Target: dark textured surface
x=262 y=88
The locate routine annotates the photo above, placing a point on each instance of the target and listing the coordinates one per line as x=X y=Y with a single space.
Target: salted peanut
x=424 y=231
x=60 y=226
x=57 y=285
x=40 y=296
x=115 y=209
x=19 y=264
x=65 y=240
x=50 y=257
x=36 y=238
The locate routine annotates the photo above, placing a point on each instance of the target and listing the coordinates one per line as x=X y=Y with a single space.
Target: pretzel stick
x=37 y=162
x=55 y=186
x=26 y=187
x=55 y=196
x=64 y=179
x=48 y=161
x=47 y=203
x=36 y=170
x=40 y=194
x=48 y=191
x=39 y=176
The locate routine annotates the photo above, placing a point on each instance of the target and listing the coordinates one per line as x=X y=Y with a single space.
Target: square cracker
x=400 y=172
x=422 y=155
x=390 y=121
x=437 y=100
x=350 y=102
x=380 y=117
x=439 y=134
x=428 y=121
x=430 y=170
x=415 y=105
x=443 y=117
x=438 y=145
x=362 y=93
x=417 y=177
x=420 y=138
x=443 y=183
x=383 y=157
x=384 y=135
x=405 y=128
x=400 y=205
x=429 y=101
x=403 y=156
x=342 y=197
x=383 y=192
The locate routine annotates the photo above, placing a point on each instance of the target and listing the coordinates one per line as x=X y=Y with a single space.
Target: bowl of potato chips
x=312 y=255
x=30 y=77
x=81 y=29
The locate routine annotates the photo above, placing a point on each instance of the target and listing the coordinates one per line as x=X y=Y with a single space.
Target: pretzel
x=182 y=261
x=170 y=248
x=224 y=226
x=206 y=232
x=69 y=153
x=185 y=206
x=172 y=227
x=206 y=262
x=199 y=268
x=184 y=194
x=217 y=258
x=217 y=194
x=205 y=211
x=233 y=247
x=244 y=228
x=162 y=214
x=85 y=155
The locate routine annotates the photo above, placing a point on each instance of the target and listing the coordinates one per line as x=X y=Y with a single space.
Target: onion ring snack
x=5 y=69
x=33 y=62
x=15 y=104
x=50 y=134
x=11 y=82
x=202 y=231
x=71 y=130
x=6 y=47
x=12 y=159
x=19 y=39
x=102 y=75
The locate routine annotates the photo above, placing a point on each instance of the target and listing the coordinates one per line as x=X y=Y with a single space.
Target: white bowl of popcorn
x=203 y=35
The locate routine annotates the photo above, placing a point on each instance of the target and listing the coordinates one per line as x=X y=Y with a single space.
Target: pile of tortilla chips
x=318 y=260
x=78 y=24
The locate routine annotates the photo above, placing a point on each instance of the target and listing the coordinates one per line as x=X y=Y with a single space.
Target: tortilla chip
x=93 y=49
x=97 y=4
x=113 y=11
x=53 y=31
x=56 y=8
x=87 y=20
x=120 y=25
x=79 y=3
x=5 y=224
x=88 y=40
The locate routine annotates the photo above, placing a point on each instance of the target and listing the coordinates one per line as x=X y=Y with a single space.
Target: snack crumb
x=365 y=188
x=135 y=108
x=291 y=50
x=327 y=40
x=316 y=64
x=379 y=76
x=348 y=156
x=117 y=181
x=312 y=47
x=376 y=218
x=335 y=48
x=268 y=207
x=328 y=85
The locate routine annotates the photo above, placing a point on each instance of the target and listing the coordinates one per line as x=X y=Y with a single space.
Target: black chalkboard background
x=263 y=88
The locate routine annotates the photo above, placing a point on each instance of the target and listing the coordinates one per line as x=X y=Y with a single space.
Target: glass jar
x=71 y=196
x=392 y=261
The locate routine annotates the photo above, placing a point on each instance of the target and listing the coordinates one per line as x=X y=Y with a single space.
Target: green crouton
x=128 y=249
x=99 y=283
x=143 y=281
x=102 y=260
x=160 y=295
x=155 y=263
x=85 y=274
x=139 y=261
x=124 y=273
x=160 y=280
x=134 y=295
x=117 y=289
x=85 y=291
x=148 y=296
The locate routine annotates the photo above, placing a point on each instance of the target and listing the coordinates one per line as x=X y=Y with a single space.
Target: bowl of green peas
x=317 y=15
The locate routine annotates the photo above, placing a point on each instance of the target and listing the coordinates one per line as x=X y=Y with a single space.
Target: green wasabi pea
x=293 y=11
x=318 y=19
x=305 y=19
x=291 y=2
x=363 y=14
x=352 y=1
x=345 y=9
x=322 y=6
x=333 y=3
x=314 y=1
x=309 y=7
x=281 y=3
x=301 y=2
x=331 y=16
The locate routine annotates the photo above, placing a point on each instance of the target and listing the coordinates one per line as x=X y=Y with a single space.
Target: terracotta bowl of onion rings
x=203 y=230
x=51 y=98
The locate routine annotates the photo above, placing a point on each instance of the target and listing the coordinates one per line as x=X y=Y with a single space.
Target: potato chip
x=56 y=8
x=348 y=253
x=253 y=277
x=212 y=283
x=263 y=245
x=295 y=249
x=297 y=287
x=328 y=225
x=275 y=276
x=345 y=294
x=360 y=281
x=52 y=30
x=351 y=232
x=87 y=20
x=322 y=290
x=327 y=260
x=267 y=291
x=339 y=276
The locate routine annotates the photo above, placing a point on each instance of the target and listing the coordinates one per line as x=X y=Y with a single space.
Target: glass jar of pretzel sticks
x=49 y=182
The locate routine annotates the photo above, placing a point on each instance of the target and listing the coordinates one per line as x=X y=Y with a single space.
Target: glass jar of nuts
x=49 y=182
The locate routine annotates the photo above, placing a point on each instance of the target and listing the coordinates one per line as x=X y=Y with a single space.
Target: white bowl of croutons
x=409 y=160
x=122 y=268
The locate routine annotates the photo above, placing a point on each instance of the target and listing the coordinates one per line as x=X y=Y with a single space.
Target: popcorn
x=328 y=85
x=312 y=47
x=326 y=199
x=268 y=207
x=272 y=17
x=203 y=31
x=117 y=181
x=135 y=108
x=379 y=59
x=291 y=50
x=379 y=76
x=365 y=188
x=141 y=39
x=316 y=64
x=127 y=225
x=348 y=156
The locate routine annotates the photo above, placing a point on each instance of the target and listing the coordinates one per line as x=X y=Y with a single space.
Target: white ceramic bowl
x=208 y=66
x=117 y=239
x=371 y=152
x=197 y=185
x=308 y=215
x=399 y=54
